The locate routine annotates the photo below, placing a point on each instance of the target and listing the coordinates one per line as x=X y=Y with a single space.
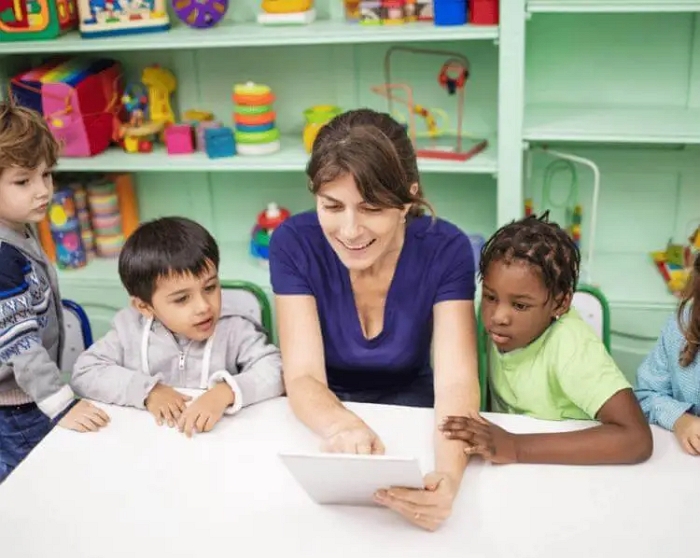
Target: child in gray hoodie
x=176 y=334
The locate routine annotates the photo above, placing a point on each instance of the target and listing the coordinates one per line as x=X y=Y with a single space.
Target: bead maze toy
x=109 y=18
x=200 y=14
x=36 y=19
x=268 y=220
x=435 y=142
x=254 y=118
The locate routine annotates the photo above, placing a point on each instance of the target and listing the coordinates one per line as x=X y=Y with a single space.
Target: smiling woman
x=365 y=286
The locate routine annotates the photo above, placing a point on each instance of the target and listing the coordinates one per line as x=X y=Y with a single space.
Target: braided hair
x=542 y=244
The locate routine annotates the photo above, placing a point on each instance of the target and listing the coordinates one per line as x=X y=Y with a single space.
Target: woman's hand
x=356 y=437
x=428 y=508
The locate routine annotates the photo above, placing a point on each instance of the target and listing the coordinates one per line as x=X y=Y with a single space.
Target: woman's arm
x=456 y=374
x=305 y=379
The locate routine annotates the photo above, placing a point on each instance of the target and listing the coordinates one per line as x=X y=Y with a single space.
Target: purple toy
x=200 y=13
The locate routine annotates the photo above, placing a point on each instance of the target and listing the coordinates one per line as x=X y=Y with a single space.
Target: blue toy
x=219 y=142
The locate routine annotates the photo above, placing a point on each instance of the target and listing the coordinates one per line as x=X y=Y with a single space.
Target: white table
x=138 y=490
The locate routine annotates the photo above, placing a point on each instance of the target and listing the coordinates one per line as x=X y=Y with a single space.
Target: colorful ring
x=251 y=88
x=255 y=119
x=258 y=137
x=254 y=100
x=254 y=129
x=258 y=148
x=249 y=110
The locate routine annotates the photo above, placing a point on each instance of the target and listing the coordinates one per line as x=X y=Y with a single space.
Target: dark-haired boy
x=177 y=335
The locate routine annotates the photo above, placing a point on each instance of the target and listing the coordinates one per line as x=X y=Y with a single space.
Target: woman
x=364 y=286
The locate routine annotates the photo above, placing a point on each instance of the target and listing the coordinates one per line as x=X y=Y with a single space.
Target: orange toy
x=128 y=206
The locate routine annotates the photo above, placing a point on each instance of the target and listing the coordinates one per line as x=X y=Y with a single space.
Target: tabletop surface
x=136 y=489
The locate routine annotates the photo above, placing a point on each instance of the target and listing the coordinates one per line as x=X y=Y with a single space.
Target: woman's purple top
x=436 y=264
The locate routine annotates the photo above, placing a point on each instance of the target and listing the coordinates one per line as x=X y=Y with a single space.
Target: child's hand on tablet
x=355 y=437
x=427 y=508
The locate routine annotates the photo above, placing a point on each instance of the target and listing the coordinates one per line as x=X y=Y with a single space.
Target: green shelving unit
x=616 y=81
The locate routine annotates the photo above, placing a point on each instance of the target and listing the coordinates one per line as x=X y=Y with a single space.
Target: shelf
x=236 y=263
x=229 y=34
x=612 y=6
x=291 y=157
x=630 y=280
x=659 y=125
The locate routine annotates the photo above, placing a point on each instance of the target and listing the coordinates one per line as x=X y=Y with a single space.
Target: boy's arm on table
x=259 y=362
x=99 y=374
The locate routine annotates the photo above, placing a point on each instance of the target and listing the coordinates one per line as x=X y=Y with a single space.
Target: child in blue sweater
x=33 y=397
x=668 y=381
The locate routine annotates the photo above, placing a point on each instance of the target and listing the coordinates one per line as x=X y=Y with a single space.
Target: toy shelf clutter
x=79 y=99
x=36 y=19
x=110 y=18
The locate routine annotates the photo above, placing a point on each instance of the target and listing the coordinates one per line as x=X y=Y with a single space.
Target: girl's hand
x=428 y=508
x=356 y=437
x=687 y=431
x=84 y=417
x=482 y=438
x=206 y=410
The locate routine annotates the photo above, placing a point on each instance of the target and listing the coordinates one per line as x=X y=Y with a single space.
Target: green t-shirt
x=566 y=373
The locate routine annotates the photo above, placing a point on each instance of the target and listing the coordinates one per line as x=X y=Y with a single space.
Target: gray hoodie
x=31 y=326
x=123 y=366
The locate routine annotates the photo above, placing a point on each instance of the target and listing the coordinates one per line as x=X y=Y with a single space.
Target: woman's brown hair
x=689 y=322
x=376 y=150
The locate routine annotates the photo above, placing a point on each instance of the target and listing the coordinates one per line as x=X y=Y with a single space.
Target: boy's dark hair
x=376 y=150
x=690 y=324
x=542 y=244
x=164 y=247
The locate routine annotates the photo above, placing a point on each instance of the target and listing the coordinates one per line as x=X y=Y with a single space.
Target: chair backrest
x=77 y=334
x=593 y=307
x=250 y=300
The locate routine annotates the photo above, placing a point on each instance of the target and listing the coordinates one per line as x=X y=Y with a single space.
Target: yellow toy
x=287 y=12
x=160 y=84
x=674 y=264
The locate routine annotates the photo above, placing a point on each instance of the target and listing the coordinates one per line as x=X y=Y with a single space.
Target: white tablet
x=350 y=479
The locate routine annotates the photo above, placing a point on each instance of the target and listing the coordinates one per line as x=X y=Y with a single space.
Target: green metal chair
x=250 y=300
x=590 y=303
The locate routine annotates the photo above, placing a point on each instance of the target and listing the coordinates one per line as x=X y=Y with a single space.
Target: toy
x=65 y=230
x=219 y=142
x=316 y=117
x=200 y=14
x=179 y=139
x=79 y=98
x=135 y=102
x=287 y=12
x=140 y=139
x=36 y=19
x=352 y=10
x=268 y=220
x=200 y=133
x=449 y=12
x=161 y=83
x=483 y=12
x=106 y=219
x=194 y=116
x=452 y=77
x=108 y=18
x=256 y=131
x=674 y=263
x=424 y=10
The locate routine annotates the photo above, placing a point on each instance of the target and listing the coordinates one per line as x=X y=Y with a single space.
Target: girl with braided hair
x=668 y=381
x=545 y=361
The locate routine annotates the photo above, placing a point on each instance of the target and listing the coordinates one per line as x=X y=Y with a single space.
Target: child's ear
x=563 y=306
x=144 y=308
